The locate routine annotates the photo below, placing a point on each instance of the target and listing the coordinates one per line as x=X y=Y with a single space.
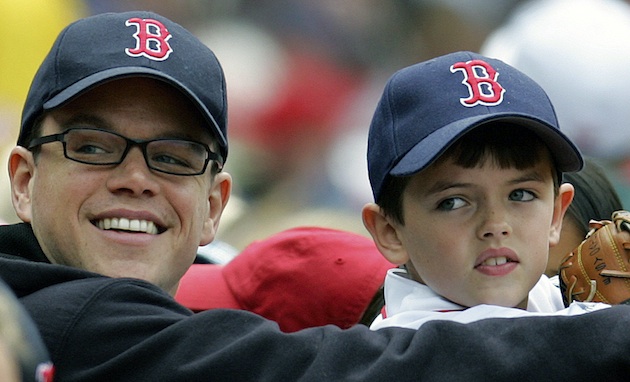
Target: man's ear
x=218 y=197
x=561 y=204
x=384 y=234
x=21 y=174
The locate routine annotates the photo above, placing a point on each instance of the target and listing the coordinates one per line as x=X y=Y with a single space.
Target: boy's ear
x=384 y=234
x=21 y=173
x=561 y=204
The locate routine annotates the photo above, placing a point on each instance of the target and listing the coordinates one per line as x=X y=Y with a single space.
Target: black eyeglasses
x=102 y=147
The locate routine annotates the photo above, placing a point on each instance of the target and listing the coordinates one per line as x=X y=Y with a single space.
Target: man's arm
x=129 y=330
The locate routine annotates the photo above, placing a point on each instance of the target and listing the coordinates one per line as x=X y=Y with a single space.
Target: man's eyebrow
x=89 y=120
x=86 y=119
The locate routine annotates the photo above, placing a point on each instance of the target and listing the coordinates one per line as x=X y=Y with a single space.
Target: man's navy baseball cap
x=426 y=107
x=109 y=46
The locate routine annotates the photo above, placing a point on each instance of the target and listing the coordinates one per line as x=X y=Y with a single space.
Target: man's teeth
x=134 y=225
x=495 y=261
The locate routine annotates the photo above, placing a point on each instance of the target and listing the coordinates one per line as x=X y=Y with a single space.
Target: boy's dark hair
x=509 y=145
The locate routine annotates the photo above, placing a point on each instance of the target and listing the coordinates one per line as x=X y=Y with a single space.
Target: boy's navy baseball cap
x=108 y=46
x=426 y=107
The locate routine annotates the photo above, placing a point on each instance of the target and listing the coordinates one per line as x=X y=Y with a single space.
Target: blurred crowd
x=304 y=77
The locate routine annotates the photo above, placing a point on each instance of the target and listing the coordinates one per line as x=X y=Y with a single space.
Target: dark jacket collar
x=19 y=240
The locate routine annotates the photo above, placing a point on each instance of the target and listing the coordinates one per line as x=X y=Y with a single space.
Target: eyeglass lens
x=167 y=155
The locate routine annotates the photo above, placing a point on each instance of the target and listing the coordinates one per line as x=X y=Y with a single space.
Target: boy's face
x=480 y=235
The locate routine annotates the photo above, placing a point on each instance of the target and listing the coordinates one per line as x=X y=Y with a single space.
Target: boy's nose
x=494 y=225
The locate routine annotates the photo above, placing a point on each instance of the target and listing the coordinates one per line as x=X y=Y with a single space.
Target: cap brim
x=566 y=155
x=203 y=287
x=99 y=78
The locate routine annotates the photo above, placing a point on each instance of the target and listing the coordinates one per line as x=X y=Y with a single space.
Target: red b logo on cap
x=481 y=80
x=151 y=39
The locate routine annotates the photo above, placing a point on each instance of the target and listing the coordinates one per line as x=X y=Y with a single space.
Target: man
x=117 y=176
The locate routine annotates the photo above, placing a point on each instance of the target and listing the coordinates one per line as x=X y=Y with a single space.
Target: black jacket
x=103 y=329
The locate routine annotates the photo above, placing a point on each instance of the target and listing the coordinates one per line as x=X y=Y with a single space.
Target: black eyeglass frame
x=130 y=143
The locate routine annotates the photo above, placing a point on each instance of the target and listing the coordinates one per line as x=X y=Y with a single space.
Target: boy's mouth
x=496 y=257
x=493 y=261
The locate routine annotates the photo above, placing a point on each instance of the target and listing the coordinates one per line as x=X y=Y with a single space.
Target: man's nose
x=133 y=175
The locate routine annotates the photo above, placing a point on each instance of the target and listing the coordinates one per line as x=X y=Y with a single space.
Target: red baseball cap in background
x=301 y=277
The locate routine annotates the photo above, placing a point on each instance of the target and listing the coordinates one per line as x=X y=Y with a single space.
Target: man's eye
x=90 y=149
x=522 y=195
x=171 y=160
x=451 y=204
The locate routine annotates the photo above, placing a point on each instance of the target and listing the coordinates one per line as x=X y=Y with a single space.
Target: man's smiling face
x=124 y=220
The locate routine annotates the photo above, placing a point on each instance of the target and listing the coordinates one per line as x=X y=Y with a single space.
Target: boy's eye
x=451 y=204
x=521 y=195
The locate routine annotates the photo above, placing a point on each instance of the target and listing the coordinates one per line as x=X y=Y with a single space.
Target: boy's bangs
x=517 y=147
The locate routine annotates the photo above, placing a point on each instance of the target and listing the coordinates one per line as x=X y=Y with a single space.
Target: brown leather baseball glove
x=598 y=269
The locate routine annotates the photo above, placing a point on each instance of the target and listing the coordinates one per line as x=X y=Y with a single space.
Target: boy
x=465 y=160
